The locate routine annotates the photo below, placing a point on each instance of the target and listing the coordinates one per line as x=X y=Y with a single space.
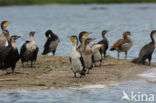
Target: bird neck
x=3 y=28
x=152 y=38
x=13 y=43
x=32 y=38
x=125 y=36
x=74 y=45
x=103 y=36
x=83 y=41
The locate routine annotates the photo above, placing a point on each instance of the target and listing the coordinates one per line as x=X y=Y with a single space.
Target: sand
x=55 y=72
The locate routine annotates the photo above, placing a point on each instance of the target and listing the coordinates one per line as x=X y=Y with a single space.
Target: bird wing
x=23 y=48
x=35 y=54
x=119 y=43
x=46 y=46
x=70 y=60
x=146 y=50
x=82 y=61
x=4 y=52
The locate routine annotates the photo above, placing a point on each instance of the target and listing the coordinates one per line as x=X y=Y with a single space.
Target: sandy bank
x=55 y=71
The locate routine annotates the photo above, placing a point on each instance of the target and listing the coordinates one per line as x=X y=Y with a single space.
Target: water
x=101 y=95
x=67 y=20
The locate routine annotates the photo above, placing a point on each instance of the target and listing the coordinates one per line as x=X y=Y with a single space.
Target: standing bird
x=105 y=43
x=9 y=55
x=123 y=45
x=82 y=37
x=29 y=50
x=147 y=51
x=97 y=56
x=4 y=25
x=51 y=43
x=87 y=55
x=76 y=58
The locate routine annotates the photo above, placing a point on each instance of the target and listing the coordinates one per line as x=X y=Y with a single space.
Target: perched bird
x=147 y=50
x=4 y=25
x=29 y=50
x=76 y=58
x=9 y=55
x=51 y=43
x=105 y=43
x=4 y=38
x=87 y=55
x=123 y=45
x=82 y=37
x=97 y=56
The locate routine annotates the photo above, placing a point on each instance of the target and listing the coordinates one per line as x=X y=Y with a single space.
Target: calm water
x=67 y=20
x=102 y=95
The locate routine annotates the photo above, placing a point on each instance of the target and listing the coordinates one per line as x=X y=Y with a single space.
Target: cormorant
x=4 y=25
x=147 y=50
x=82 y=37
x=4 y=37
x=9 y=55
x=97 y=56
x=29 y=50
x=87 y=55
x=123 y=45
x=51 y=43
x=105 y=43
x=76 y=58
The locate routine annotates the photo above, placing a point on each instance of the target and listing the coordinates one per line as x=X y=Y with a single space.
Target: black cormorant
x=29 y=50
x=147 y=50
x=105 y=43
x=51 y=43
x=9 y=55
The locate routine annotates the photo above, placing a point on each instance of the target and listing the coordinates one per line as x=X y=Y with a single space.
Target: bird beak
x=16 y=37
x=6 y=24
x=86 y=34
x=90 y=33
x=72 y=39
x=94 y=39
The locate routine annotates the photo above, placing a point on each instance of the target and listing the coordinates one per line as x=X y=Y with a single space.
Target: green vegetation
x=32 y=2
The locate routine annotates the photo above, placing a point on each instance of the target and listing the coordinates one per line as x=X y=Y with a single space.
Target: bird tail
x=44 y=53
x=111 y=49
x=135 y=60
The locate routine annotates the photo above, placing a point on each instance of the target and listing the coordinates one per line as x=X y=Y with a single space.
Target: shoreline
x=54 y=72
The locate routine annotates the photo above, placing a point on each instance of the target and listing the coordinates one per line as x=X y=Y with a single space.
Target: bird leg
x=74 y=75
x=125 y=55
x=22 y=64
x=118 y=55
x=7 y=71
x=88 y=71
x=31 y=63
x=100 y=63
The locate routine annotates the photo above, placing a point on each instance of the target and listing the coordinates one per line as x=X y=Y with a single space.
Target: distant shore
x=44 y=2
x=55 y=72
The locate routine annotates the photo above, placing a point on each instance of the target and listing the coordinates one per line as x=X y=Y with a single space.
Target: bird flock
x=83 y=57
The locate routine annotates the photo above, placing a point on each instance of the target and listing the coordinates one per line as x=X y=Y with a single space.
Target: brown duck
x=123 y=45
